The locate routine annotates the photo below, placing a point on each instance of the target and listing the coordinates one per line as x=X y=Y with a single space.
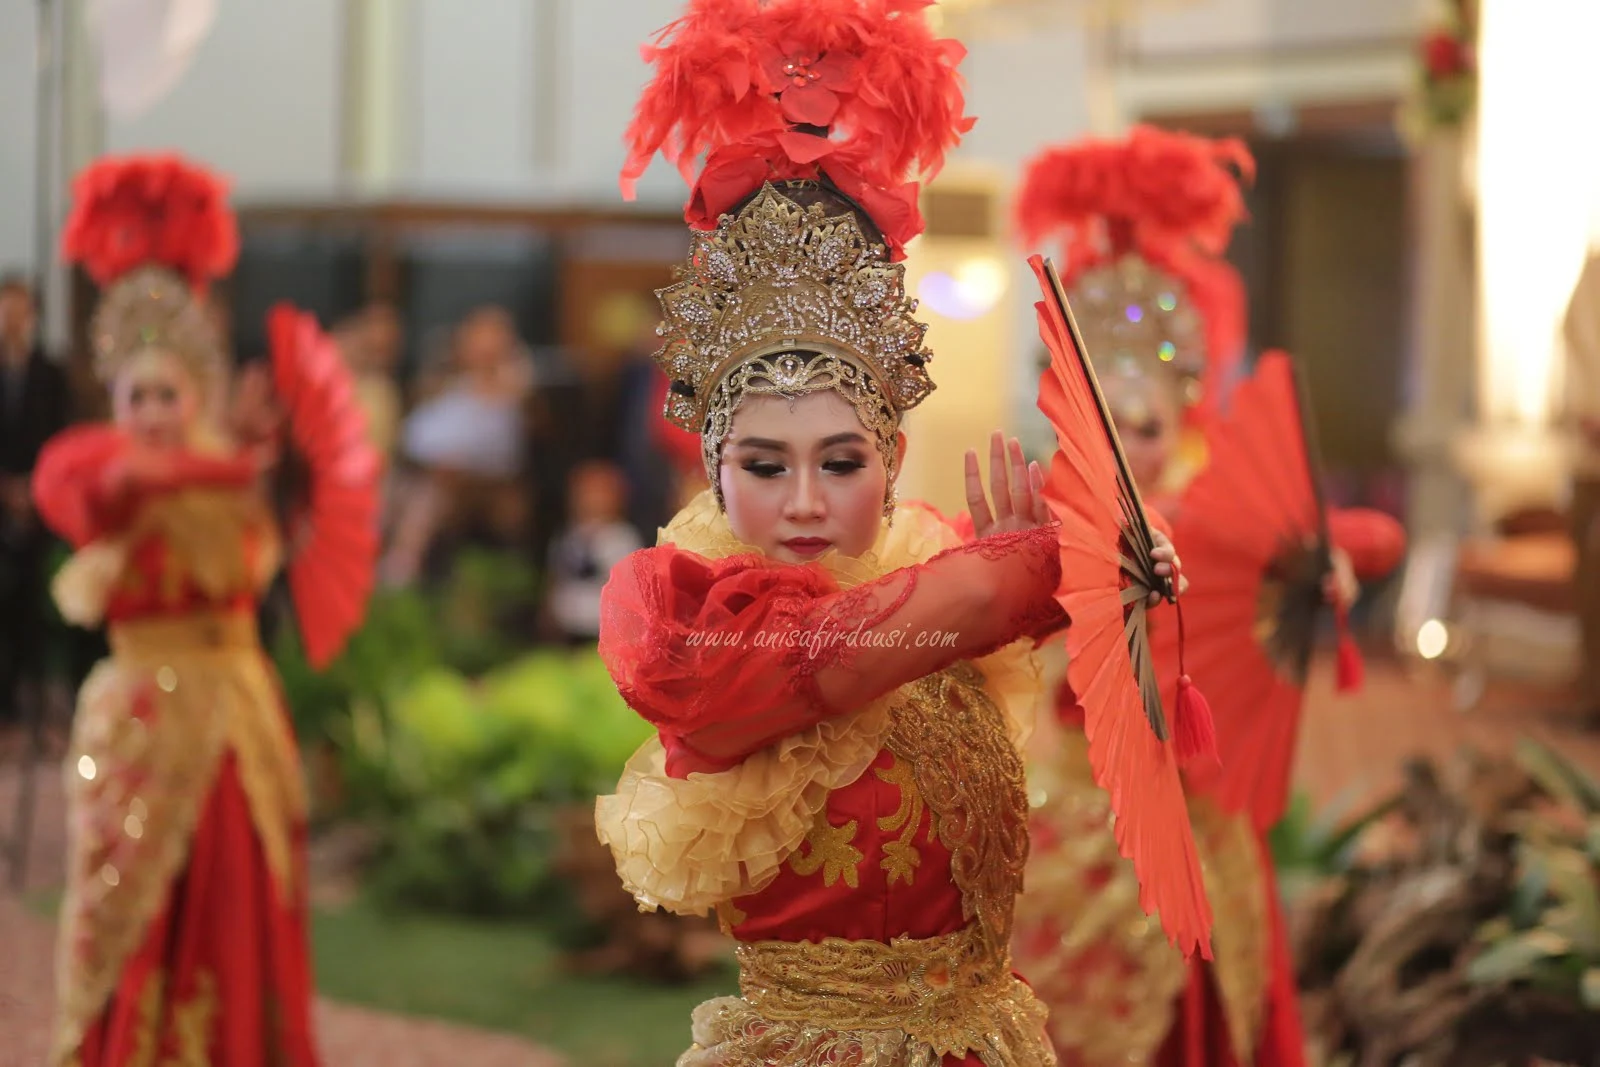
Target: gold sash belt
x=162 y=637
x=907 y=1003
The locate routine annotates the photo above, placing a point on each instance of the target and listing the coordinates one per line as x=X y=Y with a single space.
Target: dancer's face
x=800 y=477
x=156 y=400
x=1147 y=417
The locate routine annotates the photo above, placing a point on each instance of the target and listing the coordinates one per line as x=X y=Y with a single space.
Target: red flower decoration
x=807 y=85
x=135 y=211
x=1444 y=55
x=733 y=172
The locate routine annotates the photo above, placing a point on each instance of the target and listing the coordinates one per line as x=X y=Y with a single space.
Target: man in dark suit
x=35 y=403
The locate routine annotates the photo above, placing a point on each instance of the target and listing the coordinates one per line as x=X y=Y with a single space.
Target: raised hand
x=1167 y=564
x=1017 y=487
x=255 y=415
x=1340 y=588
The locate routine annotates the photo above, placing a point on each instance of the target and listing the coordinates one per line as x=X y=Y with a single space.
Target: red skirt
x=1199 y=1036
x=223 y=977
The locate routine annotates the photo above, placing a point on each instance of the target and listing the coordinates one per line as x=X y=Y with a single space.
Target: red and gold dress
x=862 y=831
x=183 y=929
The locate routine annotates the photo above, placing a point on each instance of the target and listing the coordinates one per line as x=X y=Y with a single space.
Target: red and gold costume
x=836 y=770
x=183 y=928
x=1145 y=221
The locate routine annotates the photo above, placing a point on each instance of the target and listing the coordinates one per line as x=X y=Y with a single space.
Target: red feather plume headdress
x=858 y=92
x=142 y=211
x=153 y=232
x=1171 y=199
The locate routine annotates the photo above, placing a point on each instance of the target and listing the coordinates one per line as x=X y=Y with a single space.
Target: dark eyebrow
x=849 y=437
x=762 y=442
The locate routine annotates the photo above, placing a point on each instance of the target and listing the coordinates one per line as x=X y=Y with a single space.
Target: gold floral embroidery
x=729 y=916
x=907 y=1003
x=153 y=726
x=1230 y=858
x=147 y=1030
x=182 y=1028
x=192 y=1023
x=830 y=849
x=955 y=740
x=900 y=857
x=1104 y=969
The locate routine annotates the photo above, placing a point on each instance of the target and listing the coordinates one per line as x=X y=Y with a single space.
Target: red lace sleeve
x=69 y=486
x=1374 y=541
x=726 y=657
x=80 y=490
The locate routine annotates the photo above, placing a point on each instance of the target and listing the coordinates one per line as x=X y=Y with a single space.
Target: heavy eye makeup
x=842 y=456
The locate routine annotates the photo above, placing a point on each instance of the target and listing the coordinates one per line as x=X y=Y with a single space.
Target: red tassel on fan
x=1194 y=732
x=1352 y=673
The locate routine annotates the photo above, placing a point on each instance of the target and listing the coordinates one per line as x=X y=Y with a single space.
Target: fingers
x=977 y=505
x=999 y=478
x=1041 y=507
x=1021 y=483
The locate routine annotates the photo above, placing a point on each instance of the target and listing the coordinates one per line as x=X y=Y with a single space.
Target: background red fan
x=1107 y=576
x=1253 y=531
x=333 y=519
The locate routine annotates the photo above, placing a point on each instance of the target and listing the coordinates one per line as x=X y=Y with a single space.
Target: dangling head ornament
x=153 y=232
x=1144 y=223
x=798 y=124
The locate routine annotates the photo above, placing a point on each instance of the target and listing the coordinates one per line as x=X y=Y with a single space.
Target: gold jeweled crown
x=1137 y=320
x=151 y=307
x=779 y=277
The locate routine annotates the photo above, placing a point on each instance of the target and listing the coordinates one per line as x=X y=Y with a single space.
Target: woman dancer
x=183 y=929
x=1145 y=221
x=835 y=678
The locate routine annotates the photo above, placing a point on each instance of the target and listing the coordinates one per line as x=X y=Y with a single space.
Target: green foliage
x=407 y=633
x=1548 y=937
x=464 y=780
x=1311 y=844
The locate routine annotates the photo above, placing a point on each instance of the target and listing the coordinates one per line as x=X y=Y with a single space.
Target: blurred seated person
x=597 y=538
x=466 y=445
x=371 y=341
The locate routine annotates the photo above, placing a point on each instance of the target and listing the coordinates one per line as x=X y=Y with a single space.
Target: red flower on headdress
x=807 y=85
x=133 y=211
x=1444 y=55
x=733 y=172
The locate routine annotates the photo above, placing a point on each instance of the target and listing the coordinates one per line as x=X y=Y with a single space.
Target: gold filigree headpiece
x=786 y=300
x=1138 y=320
x=153 y=308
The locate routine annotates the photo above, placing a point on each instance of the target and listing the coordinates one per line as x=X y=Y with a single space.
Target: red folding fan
x=1253 y=532
x=333 y=521
x=1107 y=576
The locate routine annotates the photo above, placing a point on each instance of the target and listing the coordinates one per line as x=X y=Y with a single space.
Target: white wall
x=263 y=100
x=18 y=22
x=261 y=103
x=482 y=99
x=1239 y=25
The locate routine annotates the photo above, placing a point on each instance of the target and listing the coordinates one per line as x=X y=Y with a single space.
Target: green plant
x=463 y=781
x=1473 y=939
x=482 y=610
x=1549 y=936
